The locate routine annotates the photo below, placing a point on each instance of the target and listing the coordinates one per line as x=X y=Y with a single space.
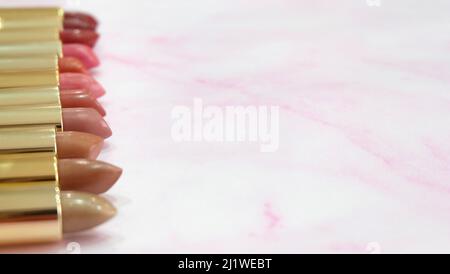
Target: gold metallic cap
x=29 y=71
x=29 y=96
x=28 y=35
x=17 y=18
x=30 y=204
x=20 y=139
x=29 y=63
x=31 y=48
x=29 y=78
x=31 y=115
x=27 y=167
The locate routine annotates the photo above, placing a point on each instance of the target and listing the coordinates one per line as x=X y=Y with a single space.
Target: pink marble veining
x=364 y=159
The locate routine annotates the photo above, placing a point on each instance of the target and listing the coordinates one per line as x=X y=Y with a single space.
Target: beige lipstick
x=82 y=211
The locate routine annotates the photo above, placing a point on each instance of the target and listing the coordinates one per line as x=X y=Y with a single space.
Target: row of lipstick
x=81 y=176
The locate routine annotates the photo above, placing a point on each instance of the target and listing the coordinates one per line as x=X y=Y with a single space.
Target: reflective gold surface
x=27 y=167
x=28 y=139
x=30 y=206
x=28 y=35
x=29 y=63
x=31 y=48
x=29 y=212
x=16 y=18
x=31 y=115
x=29 y=96
x=28 y=79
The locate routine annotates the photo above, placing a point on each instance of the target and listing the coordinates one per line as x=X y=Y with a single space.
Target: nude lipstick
x=73 y=144
x=81 y=211
x=87 y=175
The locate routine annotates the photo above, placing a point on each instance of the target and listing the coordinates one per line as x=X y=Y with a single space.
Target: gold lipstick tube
x=30 y=204
x=30 y=207
x=28 y=79
x=29 y=96
x=30 y=116
x=30 y=41
x=29 y=93
x=31 y=48
x=20 y=18
x=28 y=35
x=30 y=71
x=23 y=139
x=29 y=63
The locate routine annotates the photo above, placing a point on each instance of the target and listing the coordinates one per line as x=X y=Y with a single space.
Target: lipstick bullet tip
x=82 y=211
x=96 y=148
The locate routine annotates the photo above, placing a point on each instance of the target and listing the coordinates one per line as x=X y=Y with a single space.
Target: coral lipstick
x=71 y=64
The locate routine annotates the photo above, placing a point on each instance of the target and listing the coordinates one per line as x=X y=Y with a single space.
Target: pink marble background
x=364 y=93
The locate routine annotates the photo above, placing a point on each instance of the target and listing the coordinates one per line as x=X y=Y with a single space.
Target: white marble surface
x=364 y=158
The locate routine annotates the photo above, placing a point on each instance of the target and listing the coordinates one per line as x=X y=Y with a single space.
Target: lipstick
x=73 y=144
x=85 y=120
x=32 y=207
x=51 y=127
x=70 y=98
x=71 y=64
x=91 y=176
x=31 y=42
x=79 y=20
x=83 y=53
x=70 y=81
x=73 y=98
x=81 y=211
x=85 y=174
x=79 y=36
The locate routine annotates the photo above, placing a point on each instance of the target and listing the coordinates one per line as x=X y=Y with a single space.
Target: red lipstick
x=79 y=36
x=79 y=20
